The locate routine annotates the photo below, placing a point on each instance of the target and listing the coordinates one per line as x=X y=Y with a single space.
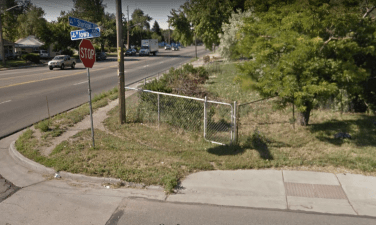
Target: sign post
x=87 y=56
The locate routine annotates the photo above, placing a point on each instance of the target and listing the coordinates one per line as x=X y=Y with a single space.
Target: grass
x=14 y=63
x=143 y=153
x=60 y=123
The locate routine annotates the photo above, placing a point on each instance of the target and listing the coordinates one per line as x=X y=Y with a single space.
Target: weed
x=43 y=125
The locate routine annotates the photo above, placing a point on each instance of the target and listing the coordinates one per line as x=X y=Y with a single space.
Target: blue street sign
x=84 y=34
x=81 y=23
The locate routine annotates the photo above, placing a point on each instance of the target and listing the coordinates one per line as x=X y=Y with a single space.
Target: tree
x=304 y=56
x=93 y=11
x=207 y=16
x=138 y=16
x=156 y=28
x=154 y=35
x=33 y=23
x=182 y=26
x=90 y=10
x=9 y=18
x=228 y=39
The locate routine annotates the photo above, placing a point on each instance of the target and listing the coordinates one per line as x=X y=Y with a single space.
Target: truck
x=148 y=47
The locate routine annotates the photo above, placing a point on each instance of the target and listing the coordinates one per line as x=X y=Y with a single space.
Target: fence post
x=235 y=124
x=205 y=119
x=159 y=114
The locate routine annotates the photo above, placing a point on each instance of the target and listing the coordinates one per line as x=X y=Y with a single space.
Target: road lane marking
x=81 y=82
x=22 y=76
x=51 y=78
x=5 y=101
x=146 y=66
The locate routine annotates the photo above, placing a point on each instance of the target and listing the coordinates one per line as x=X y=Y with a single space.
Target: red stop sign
x=87 y=53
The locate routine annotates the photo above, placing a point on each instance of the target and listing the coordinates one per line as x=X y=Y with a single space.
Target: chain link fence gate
x=216 y=121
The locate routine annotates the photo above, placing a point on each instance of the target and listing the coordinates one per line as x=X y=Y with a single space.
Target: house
x=8 y=48
x=32 y=44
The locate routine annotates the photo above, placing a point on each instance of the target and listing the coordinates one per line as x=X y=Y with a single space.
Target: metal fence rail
x=216 y=121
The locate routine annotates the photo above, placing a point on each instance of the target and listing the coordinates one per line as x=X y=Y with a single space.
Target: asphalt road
x=23 y=92
x=141 y=211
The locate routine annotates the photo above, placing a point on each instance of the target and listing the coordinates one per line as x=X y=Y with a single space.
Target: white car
x=61 y=61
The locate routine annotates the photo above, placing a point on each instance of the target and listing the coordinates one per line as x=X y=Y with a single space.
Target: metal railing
x=216 y=121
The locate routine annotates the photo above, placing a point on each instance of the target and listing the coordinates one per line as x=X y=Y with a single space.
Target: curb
x=27 y=162
x=30 y=164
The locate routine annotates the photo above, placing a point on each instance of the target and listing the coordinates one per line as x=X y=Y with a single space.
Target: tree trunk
x=304 y=116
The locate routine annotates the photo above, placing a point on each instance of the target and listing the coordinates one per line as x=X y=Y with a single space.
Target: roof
x=29 y=42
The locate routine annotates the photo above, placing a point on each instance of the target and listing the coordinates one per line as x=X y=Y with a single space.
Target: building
x=31 y=44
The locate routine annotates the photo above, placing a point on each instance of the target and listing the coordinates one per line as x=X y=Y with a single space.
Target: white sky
x=157 y=9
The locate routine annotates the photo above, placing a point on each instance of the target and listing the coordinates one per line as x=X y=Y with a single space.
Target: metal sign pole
x=91 y=109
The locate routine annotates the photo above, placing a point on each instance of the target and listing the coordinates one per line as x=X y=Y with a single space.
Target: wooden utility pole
x=2 y=41
x=120 y=55
x=128 y=29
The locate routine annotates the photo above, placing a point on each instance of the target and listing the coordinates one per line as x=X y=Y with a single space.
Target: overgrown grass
x=139 y=152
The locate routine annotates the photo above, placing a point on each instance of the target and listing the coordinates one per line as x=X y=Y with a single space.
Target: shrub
x=206 y=59
x=43 y=126
x=31 y=57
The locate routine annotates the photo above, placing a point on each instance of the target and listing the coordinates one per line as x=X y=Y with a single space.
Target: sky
x=157 y=9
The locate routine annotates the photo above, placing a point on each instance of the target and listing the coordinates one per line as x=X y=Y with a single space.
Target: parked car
x=167 y=47
x=130 y=51
x=43 y=53
x=101 y=56
x=61 y=61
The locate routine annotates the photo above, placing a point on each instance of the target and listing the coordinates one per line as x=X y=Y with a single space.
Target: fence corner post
x=205 y=118
x=159 y=112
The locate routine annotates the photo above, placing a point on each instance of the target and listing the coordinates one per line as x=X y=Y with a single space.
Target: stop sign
x=87 y=53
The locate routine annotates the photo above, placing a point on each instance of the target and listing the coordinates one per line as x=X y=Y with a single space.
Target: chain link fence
x=214 y=120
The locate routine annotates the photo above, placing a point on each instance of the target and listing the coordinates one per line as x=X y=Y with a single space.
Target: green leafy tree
x=207 y=17
x=90 y=10
x=228 y=39
x=156 y=36
x=33 y=23
x=138 y=16
x=182 y=27
x=304 y=56
x=9 y=18
x=156 y=28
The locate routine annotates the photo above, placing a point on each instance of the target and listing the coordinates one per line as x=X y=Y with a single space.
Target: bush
x=206 y=59
x=112 y=49
x=43 y=126
x=67 y=52
x=31 y=57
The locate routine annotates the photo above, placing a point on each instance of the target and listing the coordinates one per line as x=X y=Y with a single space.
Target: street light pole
x=120 y=55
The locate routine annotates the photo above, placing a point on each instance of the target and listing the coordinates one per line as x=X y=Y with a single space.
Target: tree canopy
x=306 y=51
